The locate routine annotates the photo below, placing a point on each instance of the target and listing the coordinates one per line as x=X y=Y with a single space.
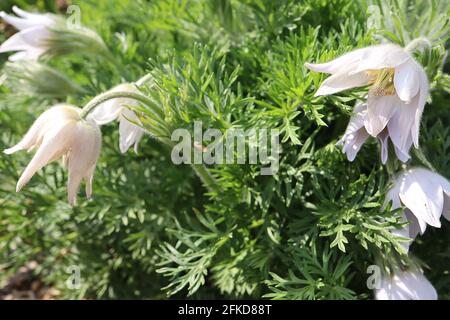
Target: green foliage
x=152 y=229
x=321 y=276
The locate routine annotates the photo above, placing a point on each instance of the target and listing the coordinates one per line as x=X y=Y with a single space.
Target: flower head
x=406 y=285
x=397 y=94
x=48 y=34
x=60 y=132
x=34 y=30
x=425 y=196
x=117 y=109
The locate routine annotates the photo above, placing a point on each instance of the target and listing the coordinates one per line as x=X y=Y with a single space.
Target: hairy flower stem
x=421 y=156
x=144 y=79
x=390 y=167
x=91 y=105
x=391 y=163
x=418 y=43
x=206 y=177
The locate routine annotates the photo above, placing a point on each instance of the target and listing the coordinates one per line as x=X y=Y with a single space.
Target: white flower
x=406 y=285
x=356 y=135
x=397 y=95
x=129 y=133
x=61 y=133
x=425 y=196
x=32 y=39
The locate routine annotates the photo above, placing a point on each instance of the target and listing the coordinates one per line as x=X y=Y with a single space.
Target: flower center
x=382 y=82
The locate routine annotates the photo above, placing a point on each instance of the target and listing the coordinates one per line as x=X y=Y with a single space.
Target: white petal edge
x=340 y=82
x=406 y=80
x=423 y=196
x=379 y=111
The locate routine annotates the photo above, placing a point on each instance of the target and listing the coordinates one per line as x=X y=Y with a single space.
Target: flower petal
x=411 y=230
x=32 y=54
x=422 y=194
x=82 y=158
x=107 y=111
x=423 y=96
x=392 y=195
x=27 y=40
x=446 y=207
x=111 y=109
x=401 y=123
x=415 y=286
x=55 y=143
x=406 y=285
x=403 y=154
x=47 y=120
x=18 y=23
x=129 y=132
x=379 y=112
x=73 y=183
x=383 y=138
x=406 y=80
x=35 y=18
x=382 y=56
x=414 y=227
x=342 y=81
x=89 y=177
x=355 y=135
x=353 y=143
x=445 y=184
x=340 y=63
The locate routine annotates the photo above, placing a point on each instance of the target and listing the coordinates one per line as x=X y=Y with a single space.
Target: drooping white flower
x=397 y=95
x=32 y=39
x=60 y=132
x=406 y=285
x=49 y=34
x=117 y=109
x=356 y=135
x=425 y=196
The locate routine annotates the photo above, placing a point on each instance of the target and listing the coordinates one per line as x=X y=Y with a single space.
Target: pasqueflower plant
x=326 y=76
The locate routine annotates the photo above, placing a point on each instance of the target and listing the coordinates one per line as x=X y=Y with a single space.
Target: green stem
x=206 y=177
x=421 y=156
x=91 y=105
x=390 y=167
x=144 y=79
x=391 y=162
x=418 y=43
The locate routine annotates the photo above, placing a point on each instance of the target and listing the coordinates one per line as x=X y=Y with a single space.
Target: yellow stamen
x=382 y=82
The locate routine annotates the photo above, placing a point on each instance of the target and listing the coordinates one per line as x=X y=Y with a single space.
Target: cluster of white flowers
x=62 y=132
x=398 y=90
